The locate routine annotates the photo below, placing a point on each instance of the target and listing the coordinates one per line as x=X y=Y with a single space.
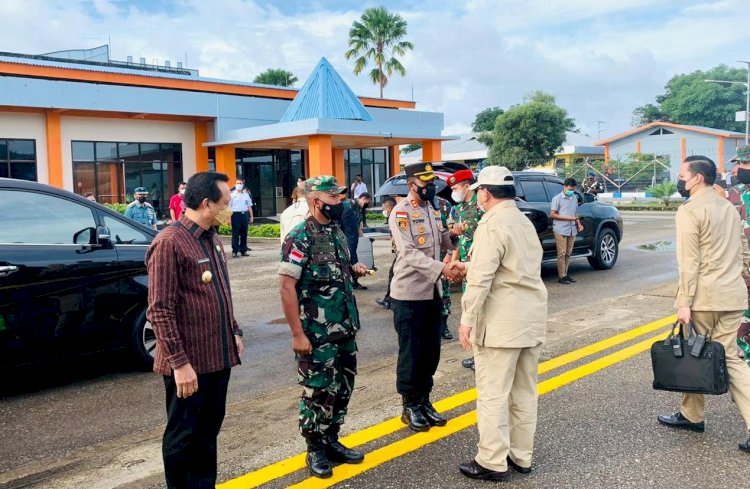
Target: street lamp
x=747 y=98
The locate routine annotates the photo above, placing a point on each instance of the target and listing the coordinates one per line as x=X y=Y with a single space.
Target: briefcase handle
x=691 y=332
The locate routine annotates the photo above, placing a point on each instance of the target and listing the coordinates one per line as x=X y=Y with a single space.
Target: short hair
x=301 y=177
x=239 y=180
x=365 y=195
x=698 y=164
x=570 y=182
x=88 y=194
x=389 y=200
x=359 y=175
x=501 y=191
x=203 y=186
x=182 y=183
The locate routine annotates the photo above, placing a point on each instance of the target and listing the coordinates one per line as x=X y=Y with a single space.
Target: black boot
x=432 y=416
x=413 y=416
x=339 y=453
x=317 y=460
x=444 y=332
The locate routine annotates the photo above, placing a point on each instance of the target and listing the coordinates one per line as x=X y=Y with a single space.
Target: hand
x=458 y=229
x=464 y=335
x=580 y=227
x=186 y=380
x=454 y=271
x=359 y=270
x=448 y=258
x=683 y=315
x=301 y=345
x=240 y=346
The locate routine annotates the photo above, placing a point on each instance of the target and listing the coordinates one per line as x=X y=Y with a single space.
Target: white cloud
x=600 y=59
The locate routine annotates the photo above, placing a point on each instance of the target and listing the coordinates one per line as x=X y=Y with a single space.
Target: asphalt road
x=55 y=412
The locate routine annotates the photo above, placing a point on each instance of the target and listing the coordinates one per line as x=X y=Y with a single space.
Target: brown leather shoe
x=475 y=471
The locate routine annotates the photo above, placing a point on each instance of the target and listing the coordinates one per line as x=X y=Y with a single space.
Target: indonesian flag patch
x=402 y=219
x=296 y=256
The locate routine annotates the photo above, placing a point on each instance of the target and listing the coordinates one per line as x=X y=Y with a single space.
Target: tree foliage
x=528 y=132
x=378 y=37
x=689 y=99
x=485 y=120
x=410 y=147
x=276 y=76
x=663 y=191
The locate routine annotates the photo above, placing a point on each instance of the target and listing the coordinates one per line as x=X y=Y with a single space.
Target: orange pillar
x=338 y=165
x=395 y=156
x=201 y=152
x=320 y=150
x=637 y=146
x=683 y=149
x=54 y=149
x=432 y=151
x=226 y=162
x=721 y=154
x=606 y=153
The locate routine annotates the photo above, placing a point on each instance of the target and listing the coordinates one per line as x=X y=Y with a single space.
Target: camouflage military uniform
x=739 y=195
x=467 y=213
x=445 y=211
x=318 y=256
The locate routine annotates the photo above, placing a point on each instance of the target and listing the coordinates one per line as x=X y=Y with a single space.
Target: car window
x=35 y=218
x=533 y=191
x=122 y=233
x=554 y=188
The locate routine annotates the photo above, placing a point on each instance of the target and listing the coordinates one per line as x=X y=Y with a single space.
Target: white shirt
x=293 y=215
x=359 y=189
x=241 y=201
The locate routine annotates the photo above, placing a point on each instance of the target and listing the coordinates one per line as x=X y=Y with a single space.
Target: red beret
x=460 y=176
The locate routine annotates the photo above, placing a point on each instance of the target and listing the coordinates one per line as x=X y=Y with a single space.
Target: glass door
x=261 y=181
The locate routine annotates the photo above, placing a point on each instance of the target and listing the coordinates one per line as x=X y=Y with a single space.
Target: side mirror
x=86 y=236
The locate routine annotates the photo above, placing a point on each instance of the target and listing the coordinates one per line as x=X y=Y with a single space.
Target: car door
x=536 y=205
x=57 y=286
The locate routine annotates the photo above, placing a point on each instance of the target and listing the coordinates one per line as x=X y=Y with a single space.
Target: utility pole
x=599 y=129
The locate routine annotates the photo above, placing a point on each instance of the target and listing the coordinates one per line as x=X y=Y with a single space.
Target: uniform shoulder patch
x=402 y=219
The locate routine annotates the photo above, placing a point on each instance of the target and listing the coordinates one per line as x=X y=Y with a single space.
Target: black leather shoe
x=570 y=278
x=234 y=255
x=413 y=417
x=677 y=420
x=384 y=303
x=518 y=468
x=745 y=446
x=318 y=463
x=432 y=416
x=475 y=471
x=446 y=335
x=358 y=286
x=564 y=281
x=244 y=254
x=468 y=363
x=339 y=453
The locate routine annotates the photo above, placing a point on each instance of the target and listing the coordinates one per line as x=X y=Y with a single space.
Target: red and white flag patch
x=296 y=256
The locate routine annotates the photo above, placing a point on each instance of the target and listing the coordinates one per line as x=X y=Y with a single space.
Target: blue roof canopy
x=325 y=95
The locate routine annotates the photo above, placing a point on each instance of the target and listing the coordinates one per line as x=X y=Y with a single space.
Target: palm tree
x=663 y=191
x=276 y=76
x=377 y=36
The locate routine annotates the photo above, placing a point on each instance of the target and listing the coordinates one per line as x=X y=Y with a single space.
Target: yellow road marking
x=419 y=440
x=385 y=428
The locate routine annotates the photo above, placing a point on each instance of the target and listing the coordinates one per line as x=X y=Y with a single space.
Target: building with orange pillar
x=83 y=122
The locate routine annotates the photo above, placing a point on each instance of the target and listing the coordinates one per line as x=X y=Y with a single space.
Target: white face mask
x=239 y=186
x=301 y=185
x=182 y=191
x=385 y=214
x=457 y=196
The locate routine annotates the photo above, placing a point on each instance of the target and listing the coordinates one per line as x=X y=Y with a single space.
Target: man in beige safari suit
x=712 y=256
x=504 y=318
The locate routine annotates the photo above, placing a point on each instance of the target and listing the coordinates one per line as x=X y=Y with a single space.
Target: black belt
x=239 y=212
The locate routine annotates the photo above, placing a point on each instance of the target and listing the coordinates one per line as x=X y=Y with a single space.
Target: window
x=554 y=188
x=533 y=191
x=33 y=218
x=121 y=233
x=661 y=131
x=18 y=159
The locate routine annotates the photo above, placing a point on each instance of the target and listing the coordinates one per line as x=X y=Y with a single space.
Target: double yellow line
x=419 y=440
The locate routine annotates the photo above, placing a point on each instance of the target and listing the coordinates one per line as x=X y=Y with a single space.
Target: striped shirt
x=189 y=300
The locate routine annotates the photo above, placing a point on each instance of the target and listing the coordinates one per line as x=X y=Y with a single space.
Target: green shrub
x=663 y=191
x=265 y=231
x=117 y=207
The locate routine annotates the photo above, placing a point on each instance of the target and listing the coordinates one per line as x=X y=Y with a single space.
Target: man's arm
x=554 y=212
x=171 y=214
x=688 y=257
x=294 y=257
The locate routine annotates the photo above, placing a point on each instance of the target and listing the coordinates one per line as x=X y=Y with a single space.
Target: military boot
x=337 y=452
x=432 y=416
x=317 y=460
x=413 y=415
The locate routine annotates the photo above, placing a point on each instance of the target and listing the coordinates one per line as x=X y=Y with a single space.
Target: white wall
x=125 y=131
x=17 y=125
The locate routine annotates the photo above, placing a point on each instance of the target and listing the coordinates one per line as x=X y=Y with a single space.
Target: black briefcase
x=694 y=365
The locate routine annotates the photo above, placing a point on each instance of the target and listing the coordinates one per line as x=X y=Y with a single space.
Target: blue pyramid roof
x=325 y=95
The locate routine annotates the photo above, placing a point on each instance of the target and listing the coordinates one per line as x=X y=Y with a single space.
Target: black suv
x=72 y=277
x=602 y=225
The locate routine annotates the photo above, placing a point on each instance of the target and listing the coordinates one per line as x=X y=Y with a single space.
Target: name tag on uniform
x=203 y=260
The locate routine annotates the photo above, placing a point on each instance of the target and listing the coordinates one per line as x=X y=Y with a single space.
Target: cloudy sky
x=600 y=58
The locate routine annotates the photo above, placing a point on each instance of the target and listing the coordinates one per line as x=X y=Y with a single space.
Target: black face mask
x=681 y=188
x=332 y=212
x=743 y=175
x=141 y=199
x=427 y=193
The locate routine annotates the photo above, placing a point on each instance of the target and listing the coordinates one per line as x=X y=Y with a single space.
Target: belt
x=239 y=212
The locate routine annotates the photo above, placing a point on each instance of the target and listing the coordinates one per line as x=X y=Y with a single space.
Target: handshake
x=454 y=271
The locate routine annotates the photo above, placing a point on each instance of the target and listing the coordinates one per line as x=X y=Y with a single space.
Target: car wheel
x=605 y=250
x=143 y=342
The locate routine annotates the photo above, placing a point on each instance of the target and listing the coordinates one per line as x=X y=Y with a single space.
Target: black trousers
x=417 y=324
x=193 y=423
x=390 y=279
x=240 y=221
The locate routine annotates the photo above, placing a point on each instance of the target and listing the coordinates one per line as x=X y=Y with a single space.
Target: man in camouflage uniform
x=445 y=211
x=318 y=302
x=739 y=195
x=468 y=215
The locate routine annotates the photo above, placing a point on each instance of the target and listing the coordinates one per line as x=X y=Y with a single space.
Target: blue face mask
x=569 y=193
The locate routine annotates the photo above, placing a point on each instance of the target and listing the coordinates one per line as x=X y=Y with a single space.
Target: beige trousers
x=723 y=328
x=564 y=250
x=506 y=405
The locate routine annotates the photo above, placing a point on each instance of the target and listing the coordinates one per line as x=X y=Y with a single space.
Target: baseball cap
x=494 y=175
x=324 y=183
